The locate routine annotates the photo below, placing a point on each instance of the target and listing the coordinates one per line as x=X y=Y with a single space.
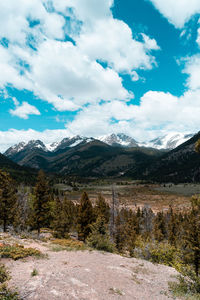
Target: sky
x=95 y=67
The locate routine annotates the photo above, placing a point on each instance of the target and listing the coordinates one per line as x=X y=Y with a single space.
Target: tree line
x=140 y=233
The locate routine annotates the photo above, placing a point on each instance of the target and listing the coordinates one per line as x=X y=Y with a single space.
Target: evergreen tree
x=120 y=234
x=63 y=217
x=192 y=236
x=159 y=229
x=7 y=200
x=85 y=217
x=41 y=203
x=102 y=209
x=99 y=237
x=172 y=227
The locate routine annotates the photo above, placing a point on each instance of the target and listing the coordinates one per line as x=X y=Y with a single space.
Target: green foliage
x=63 y=217
x=102 y=208
x=4 y=275
x=7 y=200
x=192 y=235
x=172 y=228
x=197 y=146
x=69 y=245
x=5 y=293
x=34 y=272
x=162 y=253
x=99 y=238
x=188 y=285
x=17 y=252
x=41 y=203
x=85 y=217
x=8 y=294
x=159 y=229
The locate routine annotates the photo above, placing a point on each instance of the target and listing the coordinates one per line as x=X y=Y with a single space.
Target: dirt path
x=86 y=275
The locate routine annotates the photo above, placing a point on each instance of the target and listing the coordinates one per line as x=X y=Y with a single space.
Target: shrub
x=69 y=244
x=99 y=238
x=100 y=242
x=17 y=251
x=162 y=253
x=34 y=272
x=188 y=284
x=4 y=275
x=5 y=293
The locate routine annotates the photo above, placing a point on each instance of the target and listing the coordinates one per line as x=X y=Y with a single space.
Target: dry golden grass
x=136 y=195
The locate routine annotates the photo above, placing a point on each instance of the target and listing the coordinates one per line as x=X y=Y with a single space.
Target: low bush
x=69 y=244
x=161 y=253
x=18 y=251
x=5 y=293
x=188 y=285
x=100 y=242
x=99 y=238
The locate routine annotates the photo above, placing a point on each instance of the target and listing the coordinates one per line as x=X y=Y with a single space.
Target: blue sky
x=93 y=67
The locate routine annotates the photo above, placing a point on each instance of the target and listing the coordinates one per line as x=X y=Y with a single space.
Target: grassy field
x=132 y=194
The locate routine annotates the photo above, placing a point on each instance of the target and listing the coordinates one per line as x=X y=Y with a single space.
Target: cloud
x=111 y=41
x=70 y=75
x=15 y=18
x=192 y=68
x=144 y=122
x=198 y=37
x=23 y=111
x=157 y=114
x=178 y=12
x=13 y=136
x=72 y=79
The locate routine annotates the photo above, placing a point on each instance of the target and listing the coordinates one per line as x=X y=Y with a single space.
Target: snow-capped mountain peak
x=72 y=142
x=32 y=144
x=119 y=139
x=168 y=141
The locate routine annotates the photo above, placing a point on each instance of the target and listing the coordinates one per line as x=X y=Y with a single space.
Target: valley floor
x=88 y=275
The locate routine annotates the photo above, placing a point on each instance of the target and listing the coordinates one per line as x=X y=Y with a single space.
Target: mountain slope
x=19 y=173
x=87 y=158
x=120 y=140
x=169 y=141
x=179 y=165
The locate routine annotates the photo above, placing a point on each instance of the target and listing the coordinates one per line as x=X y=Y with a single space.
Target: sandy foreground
x=88 y=275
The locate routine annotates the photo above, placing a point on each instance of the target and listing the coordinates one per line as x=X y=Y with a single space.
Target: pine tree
x=41 y=203
x=85 y=217
x=63 y=217
x=102 y=209
x=192 y=235
x=120 y=236
x=172 y=227
x=99 y=237
x=159 y=229
x=57 y=210
x=7 y=200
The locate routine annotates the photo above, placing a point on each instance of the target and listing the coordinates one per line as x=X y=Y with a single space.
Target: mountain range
x=167 y=142
x=81 y=156
x=116 y=155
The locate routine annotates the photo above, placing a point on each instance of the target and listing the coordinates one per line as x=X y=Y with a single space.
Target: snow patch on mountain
x=168 y=141
x=119 y=139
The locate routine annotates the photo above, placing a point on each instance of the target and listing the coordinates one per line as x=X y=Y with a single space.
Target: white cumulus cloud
x=178 y=12
x=23 y=111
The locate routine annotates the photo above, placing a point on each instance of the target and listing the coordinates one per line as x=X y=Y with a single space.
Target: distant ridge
x=167 y=142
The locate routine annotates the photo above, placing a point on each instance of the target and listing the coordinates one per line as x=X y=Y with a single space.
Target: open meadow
x=131 y=194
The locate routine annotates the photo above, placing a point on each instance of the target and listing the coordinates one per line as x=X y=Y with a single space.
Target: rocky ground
x=87 y=275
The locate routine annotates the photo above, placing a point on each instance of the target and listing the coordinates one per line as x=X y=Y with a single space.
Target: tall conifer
x=41 y=203
x=85 y=217
x=7 y=200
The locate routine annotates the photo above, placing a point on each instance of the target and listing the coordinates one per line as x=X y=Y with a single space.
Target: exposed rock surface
x=89 y=275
